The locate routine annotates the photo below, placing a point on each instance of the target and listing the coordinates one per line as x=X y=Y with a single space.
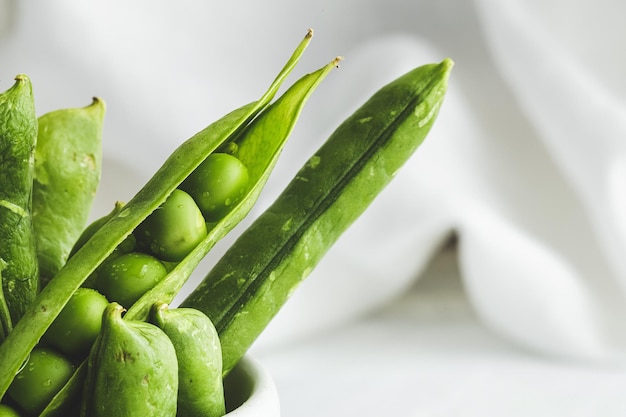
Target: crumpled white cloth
x=526 y=166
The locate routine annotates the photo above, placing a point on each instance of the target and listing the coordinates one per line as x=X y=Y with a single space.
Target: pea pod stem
x=53 y=297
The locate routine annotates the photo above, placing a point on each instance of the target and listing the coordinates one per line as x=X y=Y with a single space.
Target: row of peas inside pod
x=171 y=232
x=137 y=265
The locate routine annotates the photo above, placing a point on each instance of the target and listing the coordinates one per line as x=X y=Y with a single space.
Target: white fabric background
x=526 y=167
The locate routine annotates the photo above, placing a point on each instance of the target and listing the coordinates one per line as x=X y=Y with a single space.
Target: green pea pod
x=254 y=278
x=258 y=147
x=131 y=370
x=53 y=297
x=68 y=164
x=18 y=137
x=199 y=354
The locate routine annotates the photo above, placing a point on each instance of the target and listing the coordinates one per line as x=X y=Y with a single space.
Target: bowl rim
x=250 y=388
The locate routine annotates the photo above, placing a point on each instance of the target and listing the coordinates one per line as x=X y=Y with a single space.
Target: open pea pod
x=258 y=148
x=44 y=309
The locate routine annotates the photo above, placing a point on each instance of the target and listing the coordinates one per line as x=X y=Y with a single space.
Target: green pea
x=255 y=277
x=18 y=257
x=77 y=326
x=217 y=185
x=127 y=277
x=174 y=229
x=43 y=375
x=6 y=411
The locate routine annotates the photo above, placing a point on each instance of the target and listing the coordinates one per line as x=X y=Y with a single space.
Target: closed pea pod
x=131 y=371
x=68 y=163
x=250 y=283
x=199 y=355
x=18 y=136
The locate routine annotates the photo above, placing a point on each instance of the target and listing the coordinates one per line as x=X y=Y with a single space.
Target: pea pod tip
x=447 y=64
x=22 y=77
x=22 y=81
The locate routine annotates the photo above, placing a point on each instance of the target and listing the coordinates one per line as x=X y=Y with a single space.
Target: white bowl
x=250 y=391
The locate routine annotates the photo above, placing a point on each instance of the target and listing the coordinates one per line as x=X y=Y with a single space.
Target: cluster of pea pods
x=85 y=323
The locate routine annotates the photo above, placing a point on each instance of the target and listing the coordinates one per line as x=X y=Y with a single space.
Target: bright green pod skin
x=131 y=370
x=127 y=246
x=254 y=278
x=200 y=385
x=94 y=226
x=68 y=164
x=18 y=137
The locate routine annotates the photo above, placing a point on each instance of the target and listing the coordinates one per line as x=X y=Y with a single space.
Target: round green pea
x=174 y=229
x=6 y=411
x=78 y=324
x=217 y=185
x=43 y=375
x=125 y=278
